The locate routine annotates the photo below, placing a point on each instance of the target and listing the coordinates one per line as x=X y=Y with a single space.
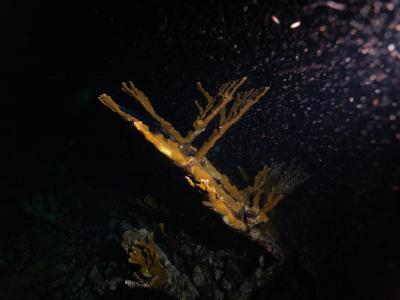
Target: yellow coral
x=241 y=209
x=144 y=253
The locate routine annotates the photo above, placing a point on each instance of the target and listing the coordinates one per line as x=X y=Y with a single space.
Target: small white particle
x=391 y=47
x=295 y=25
x=334 y=5
x=275 y=19
x=390 y=6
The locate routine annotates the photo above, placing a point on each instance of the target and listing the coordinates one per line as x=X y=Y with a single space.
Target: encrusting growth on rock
x=244 y=210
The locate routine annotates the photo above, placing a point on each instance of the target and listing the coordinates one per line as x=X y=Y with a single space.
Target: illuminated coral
x=144 y=253
x=154 y=269
x=243 y=209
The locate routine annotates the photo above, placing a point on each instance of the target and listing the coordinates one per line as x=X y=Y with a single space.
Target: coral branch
x=130 y=89
x=217 y=103
x=155 y=269
x=244 y=210
x=242 y=104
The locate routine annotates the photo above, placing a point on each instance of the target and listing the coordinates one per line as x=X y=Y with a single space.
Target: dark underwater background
x=73 y=171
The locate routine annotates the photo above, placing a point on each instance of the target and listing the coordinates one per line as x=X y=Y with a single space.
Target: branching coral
x=243 y=209
x=155 y=269
x=144 y=252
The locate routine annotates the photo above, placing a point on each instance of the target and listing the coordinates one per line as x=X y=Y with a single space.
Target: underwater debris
x=244 y=209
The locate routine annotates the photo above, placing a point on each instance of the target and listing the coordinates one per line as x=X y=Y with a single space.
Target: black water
x=333 y=108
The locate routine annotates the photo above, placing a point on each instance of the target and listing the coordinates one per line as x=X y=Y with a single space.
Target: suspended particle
x=330 y=4
x=335 y=5
x=295 y=25
x=391 y=47
x=275 y=19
